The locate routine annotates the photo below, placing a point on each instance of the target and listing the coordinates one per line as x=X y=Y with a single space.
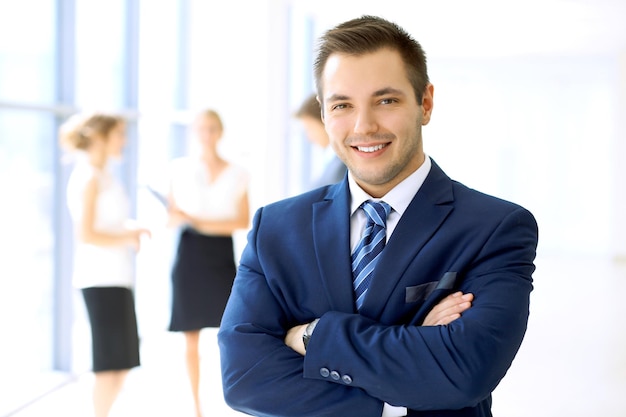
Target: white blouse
x=100 y=266
x=194 y=192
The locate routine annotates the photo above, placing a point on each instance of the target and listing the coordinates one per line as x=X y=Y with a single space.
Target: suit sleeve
x=441 y=367
x=260 y=374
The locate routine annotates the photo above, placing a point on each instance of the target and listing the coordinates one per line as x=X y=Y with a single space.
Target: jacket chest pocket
x=419 y=293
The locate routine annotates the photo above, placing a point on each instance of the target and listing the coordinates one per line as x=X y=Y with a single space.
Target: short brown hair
x=369 y=34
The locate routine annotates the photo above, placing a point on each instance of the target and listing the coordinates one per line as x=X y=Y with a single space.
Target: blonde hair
x=210 y=113
x=77 y=133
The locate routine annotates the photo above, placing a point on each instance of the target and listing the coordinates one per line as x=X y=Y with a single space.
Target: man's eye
x=339 y=106
x=387 y=101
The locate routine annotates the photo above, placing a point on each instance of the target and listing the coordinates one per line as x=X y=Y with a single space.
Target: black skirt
x=202 y=277
x=115 y=341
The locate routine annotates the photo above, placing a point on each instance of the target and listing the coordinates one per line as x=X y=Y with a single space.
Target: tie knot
x=376 y=212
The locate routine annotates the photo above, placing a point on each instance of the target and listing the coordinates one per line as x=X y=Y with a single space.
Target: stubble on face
x=391 y=173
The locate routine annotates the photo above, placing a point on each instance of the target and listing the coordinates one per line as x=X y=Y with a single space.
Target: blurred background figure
x=332 y=169
x=208 y=200
x=105 y=242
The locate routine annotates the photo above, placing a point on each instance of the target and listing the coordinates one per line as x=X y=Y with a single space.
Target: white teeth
x=370 y=148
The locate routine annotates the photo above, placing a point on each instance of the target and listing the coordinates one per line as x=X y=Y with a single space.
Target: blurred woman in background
x=105 y=244
x=208 y=200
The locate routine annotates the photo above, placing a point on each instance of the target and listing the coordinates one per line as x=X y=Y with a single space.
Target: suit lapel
x=331 y=238
x=428 y=209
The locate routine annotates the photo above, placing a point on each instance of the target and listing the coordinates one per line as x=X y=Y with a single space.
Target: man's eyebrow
x=337 y=97
x=387 y=90
x=382 y=92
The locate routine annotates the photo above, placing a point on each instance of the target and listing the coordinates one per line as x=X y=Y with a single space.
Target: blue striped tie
x=371 y=244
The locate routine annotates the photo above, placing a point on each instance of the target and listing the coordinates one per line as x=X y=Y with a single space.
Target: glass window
x=100 y=54
x=27 y=141
x=27 y=56
x=28 y=76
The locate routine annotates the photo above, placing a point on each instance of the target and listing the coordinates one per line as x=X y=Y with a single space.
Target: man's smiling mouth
x=371 y=148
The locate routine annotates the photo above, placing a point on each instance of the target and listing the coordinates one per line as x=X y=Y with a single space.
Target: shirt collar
x=398 y=197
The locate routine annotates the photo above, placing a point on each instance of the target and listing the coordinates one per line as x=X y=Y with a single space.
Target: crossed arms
x=429 y=367
x=445 y=312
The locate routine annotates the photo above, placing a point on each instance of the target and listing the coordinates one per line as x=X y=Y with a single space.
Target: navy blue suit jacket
x=296 y=267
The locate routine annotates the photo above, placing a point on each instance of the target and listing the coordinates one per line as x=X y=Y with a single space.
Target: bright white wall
x=618 y=167
x=535 y=130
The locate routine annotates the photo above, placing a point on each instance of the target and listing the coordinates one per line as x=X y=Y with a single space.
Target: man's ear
x=321 y=108
x=427 y=103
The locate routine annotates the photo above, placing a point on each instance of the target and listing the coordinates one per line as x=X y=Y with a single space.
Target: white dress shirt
x=196 y=193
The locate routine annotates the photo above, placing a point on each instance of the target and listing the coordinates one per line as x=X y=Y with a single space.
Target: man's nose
x=365 y=122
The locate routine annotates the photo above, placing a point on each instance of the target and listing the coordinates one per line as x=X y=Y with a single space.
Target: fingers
x=453 y=306
x=459 y=300
x=449 y=309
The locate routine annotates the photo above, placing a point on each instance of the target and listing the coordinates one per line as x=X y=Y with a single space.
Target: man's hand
x=293 y=339
x=449 y=309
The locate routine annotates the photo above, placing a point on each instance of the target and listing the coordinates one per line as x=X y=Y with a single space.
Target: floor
x=159 y=387
x=571 y=364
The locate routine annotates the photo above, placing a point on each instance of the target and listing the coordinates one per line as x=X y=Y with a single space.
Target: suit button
x=324 y=372
x=335 y=375
x=347 y=379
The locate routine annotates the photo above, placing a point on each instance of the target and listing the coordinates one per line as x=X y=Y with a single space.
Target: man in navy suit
x=292 y=340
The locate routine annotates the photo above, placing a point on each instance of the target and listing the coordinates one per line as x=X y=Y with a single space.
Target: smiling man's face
x=373 y=119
